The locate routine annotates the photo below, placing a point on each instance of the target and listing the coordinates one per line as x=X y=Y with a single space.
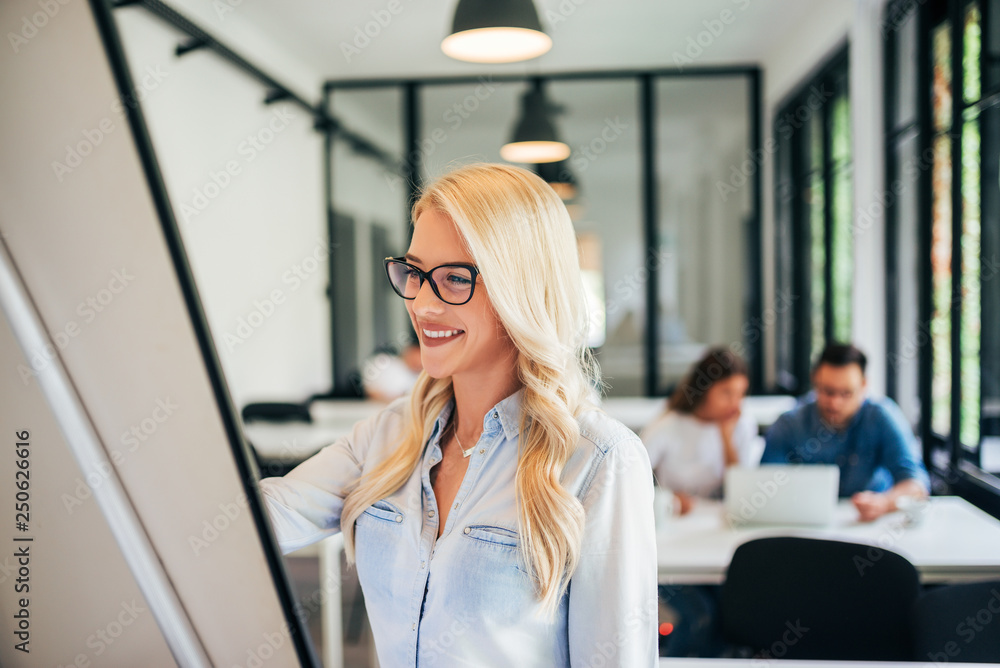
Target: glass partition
x=684 y=246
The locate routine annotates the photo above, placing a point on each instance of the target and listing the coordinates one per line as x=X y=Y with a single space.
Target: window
x=814 y=221
x=665 y=167
x=942 y=148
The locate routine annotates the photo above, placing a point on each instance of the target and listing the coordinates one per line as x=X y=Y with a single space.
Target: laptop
x=799 y=494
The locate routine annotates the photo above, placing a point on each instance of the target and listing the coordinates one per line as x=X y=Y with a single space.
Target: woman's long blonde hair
x=522 y=240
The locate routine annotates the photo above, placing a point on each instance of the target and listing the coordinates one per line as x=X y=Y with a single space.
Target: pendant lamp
x=535 y=139
x=560 y=177
x=496 y=31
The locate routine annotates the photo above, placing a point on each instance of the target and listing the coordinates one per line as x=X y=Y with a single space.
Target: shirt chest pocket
x=385 y=511
x=492 y=573
x=378 y=537
x=492 y=536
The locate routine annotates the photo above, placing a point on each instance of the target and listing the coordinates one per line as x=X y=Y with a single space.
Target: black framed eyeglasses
x=452 y=283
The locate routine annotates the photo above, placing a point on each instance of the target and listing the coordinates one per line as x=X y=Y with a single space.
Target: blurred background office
x=766 y=176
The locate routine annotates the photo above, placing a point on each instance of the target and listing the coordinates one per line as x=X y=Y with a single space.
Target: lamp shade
x=535 y=139
x=560 y=177
x=496 y=31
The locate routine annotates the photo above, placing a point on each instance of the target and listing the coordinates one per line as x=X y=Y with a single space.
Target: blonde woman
x=496 y=517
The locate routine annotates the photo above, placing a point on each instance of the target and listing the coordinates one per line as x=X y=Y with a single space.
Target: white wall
x=269 y=218
x=868 y=315
x=792 y=61
x=372 y=194
x=245 y=182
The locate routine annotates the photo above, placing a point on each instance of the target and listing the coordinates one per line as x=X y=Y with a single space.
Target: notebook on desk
x=781 y=494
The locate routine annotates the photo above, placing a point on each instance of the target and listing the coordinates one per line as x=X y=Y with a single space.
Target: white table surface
x=666 y=662
x=295 y=441
x=637 y=412
x=333 y=419
x=956 y=541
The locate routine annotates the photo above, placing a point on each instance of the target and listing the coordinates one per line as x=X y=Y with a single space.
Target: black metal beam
x=323 y=122
x=650 y=220
x=737 y=70
x=755 y=301
x=826 y=169
x=414 y=178
x=199 y=322
x=925 y=195
x=956 y=11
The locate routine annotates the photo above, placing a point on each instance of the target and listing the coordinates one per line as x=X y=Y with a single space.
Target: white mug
x=914 y=509
x=663 y=506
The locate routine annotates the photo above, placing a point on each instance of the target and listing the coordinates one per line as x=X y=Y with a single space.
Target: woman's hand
x=683 y=502
x=728 y=427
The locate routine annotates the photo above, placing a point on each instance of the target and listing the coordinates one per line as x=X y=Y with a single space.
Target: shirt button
x=483 y=451
x=399 y=518
x=496 y=416
x=430 y=513
x=455 y=506
x=422 y=564
x=414 y=626
x=468 y=530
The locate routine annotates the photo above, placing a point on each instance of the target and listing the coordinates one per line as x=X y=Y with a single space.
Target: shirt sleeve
x=304 y=505
x=613 y=610
x=898 y=447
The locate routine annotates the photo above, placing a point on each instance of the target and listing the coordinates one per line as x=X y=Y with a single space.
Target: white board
x=148 y=541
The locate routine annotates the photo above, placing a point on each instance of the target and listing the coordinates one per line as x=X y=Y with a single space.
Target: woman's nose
x=426 y=301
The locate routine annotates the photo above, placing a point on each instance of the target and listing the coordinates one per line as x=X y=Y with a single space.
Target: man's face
x=839 y=393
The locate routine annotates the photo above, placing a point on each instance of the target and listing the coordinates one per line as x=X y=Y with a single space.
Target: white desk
x=296 y=441
x=637 y=412
x=334 y=418
x=956 y=541
x=668 y=662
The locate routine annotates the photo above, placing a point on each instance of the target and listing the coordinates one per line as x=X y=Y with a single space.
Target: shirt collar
x=506 y=414
x=850 y=423
x=442 y=421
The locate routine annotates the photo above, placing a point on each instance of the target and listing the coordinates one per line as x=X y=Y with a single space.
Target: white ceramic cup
x=663 y=506
x=914 y=509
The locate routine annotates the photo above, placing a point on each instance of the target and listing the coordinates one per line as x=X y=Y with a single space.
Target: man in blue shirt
x=869 y=439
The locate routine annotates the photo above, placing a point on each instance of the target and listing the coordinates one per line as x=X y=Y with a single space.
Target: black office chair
x=276 y=411
x=958 y=623
x=804 y=598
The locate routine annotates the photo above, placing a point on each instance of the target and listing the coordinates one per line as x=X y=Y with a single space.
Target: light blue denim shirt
x=465 y=599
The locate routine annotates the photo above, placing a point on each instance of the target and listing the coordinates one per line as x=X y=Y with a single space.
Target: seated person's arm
x=658 y=447
x=872 y=505
x=779 y=443
x=899 y=457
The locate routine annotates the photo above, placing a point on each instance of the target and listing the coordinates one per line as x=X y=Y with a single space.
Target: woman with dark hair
x=703 y=430
x=702 y=433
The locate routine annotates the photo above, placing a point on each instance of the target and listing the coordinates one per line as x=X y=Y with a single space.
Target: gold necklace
x=454 y=431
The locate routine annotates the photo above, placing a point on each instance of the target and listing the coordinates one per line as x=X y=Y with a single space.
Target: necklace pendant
x=465 y=453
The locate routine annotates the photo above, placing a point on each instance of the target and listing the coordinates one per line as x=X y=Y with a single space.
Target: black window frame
x=955 y=467
x=793 y=234
x=653 y=384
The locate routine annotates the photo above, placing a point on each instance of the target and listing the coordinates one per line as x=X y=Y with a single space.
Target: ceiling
x=403 y=36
